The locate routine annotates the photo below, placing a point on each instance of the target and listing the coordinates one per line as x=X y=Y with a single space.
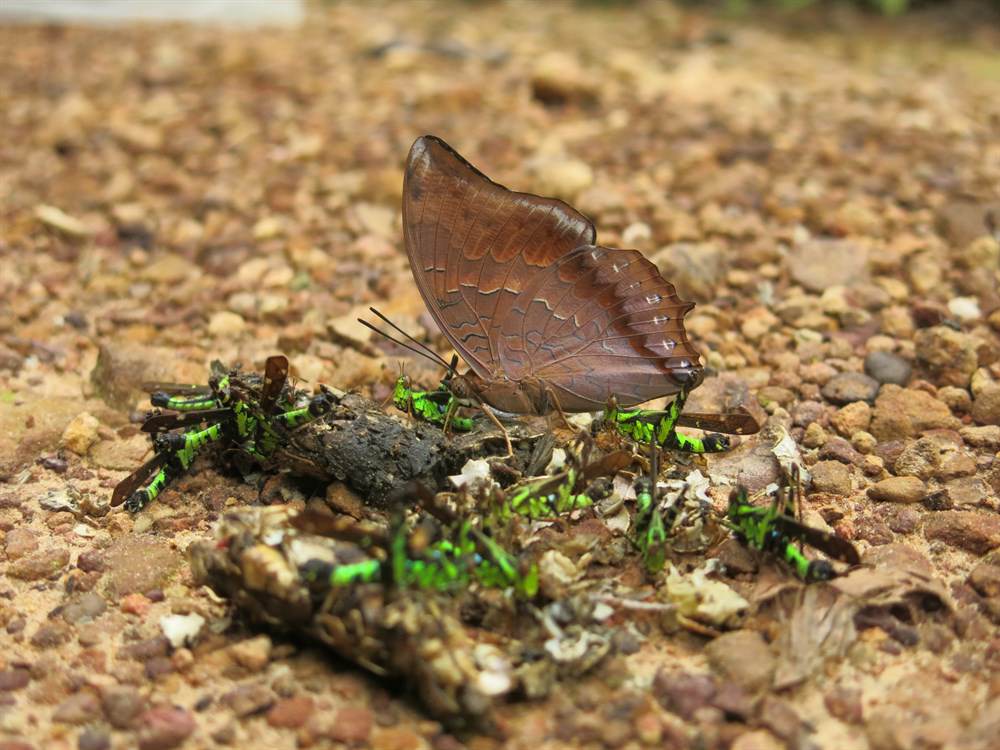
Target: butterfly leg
x=506 y=435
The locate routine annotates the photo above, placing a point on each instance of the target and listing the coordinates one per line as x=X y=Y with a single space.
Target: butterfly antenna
x=416 y=347
x=436 y=360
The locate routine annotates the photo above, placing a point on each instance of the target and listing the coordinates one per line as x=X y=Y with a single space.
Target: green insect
x=564 y=492
x=644 y=426
x=234 y=409
x=772 y=528
x=444 y=553
x=650 y=528
x=438 y=407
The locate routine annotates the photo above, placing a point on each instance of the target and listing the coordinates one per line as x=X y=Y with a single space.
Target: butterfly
x=546 y=319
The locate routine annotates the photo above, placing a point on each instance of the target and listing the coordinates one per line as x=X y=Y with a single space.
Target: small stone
x=949 y=356
x=744 y=657
x=938 y=455
x=845 y=704
x=14 y=679
x=253 y=653
x=864 y=442
x=822 y=263
x=164 y=728
x=852 y=418
x=247 y=700
x=50 y=635
x=757 y=322
x=93 y=738
x=90 y=561
x=886 y=367
x=81 y=433
x=649 y=729
x=974 y=531
x=683 y=693
x=79 y=708
x=58 y=219
x=42 y=564
x=986 y=405
x=987 y=436
x=146 y=649
x=84 y=608
x=225 y=324
x=135 y=604
x=985 y=579
x=781 y=719
x=831 y=476
x=122 y=705
x=695 y=268
x=563 y=178
x=907 y=489
x=848 y=387
x=956 y=399
x=815 y=436
x=905 y=412
x=757 y=739
x=290 y=713
x=352 y=725
x=969 y=490
x=20 y=542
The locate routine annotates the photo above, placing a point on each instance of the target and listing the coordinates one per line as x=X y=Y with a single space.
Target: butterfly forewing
x=736 y=422
x=165 y=422
x=474 y=245
x=830 y=544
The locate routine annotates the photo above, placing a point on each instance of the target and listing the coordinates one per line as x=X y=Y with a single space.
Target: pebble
x=135 y=604
x=986 y=405
x=844 y=703
x=164 y=728
x=84 y=608
x=852 y=418
x=864 y=442
x=974 y=531
x=986 y=436
x=904 y=412
x=848 y=387
x=563 y=178
x=42 y=564
x=968 y=490
x=814 y=436
x=252 y=653
x=886 y=367
x=956 y=399
x=683 y=693
x=224 y=324
x=907 y=489
x=50 y=635
x=122 y=705
x=831 y=476
x=744 y=657
x=291 y=713
x=695 y=268
x=247 y=700
x=822 y=263
x=81 y=433
x=138 y=563
x=20 y=542
x=93 y=738
x=985 y=578
x=938 y=455
x=352 y=725
x=757 y=739
x=78 y=708
x=13 y=679
x=91 y=561
x=949 y=356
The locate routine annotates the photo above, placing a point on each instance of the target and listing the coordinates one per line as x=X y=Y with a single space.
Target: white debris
x=557 y=462
x=476 y=472
x=965 y=308
x=181 y=630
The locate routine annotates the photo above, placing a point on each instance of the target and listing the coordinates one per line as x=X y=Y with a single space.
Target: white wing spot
x=652 y=299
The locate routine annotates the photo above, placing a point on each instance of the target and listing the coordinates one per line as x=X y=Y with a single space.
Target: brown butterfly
x=546 y=319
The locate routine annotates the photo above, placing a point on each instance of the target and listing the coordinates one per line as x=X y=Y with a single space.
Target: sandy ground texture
x=173 y=195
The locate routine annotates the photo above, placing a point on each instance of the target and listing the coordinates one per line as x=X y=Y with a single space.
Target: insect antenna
x=416 y=347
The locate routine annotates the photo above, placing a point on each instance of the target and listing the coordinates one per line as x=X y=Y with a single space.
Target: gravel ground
x=173 y=195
